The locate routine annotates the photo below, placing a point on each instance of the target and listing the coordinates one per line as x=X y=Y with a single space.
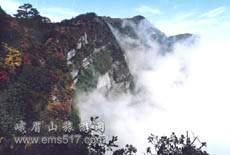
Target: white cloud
x=214 y=13
x=184 y=90
x=148 y=10
x=185 y=16
x=10 y=6
x=195 y=22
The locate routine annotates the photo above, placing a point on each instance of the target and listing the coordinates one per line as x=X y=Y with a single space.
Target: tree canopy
x=26 y=11
x=2 y=11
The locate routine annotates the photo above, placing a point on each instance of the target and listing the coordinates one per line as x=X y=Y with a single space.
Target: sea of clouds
x=183 y=90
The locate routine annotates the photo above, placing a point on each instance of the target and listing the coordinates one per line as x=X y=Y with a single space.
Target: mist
x=183 y=90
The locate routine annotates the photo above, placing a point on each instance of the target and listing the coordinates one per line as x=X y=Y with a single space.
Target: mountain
x=56 y=58
x=139 y=28
x=43 y=64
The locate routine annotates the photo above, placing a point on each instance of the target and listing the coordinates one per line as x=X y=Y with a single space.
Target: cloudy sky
x=171 y=16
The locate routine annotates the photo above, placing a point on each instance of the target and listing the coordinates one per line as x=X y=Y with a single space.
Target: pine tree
x=26 y=11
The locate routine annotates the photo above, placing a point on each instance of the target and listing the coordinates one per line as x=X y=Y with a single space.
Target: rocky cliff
x=42 y=64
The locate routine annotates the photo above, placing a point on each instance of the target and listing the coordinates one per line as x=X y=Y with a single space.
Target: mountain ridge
x=62 y=59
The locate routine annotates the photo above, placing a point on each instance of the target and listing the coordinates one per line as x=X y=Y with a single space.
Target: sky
x=170 y=16
x=59 y=9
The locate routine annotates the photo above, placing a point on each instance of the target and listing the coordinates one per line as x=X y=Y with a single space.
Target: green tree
x=174 y=145
x=26 y=11
x=2 y=11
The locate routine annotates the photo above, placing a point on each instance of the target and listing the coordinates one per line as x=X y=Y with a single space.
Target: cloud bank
x=186 y=89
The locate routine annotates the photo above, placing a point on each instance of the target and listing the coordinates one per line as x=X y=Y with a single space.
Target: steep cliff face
x=43 y=64
x=96 y=53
